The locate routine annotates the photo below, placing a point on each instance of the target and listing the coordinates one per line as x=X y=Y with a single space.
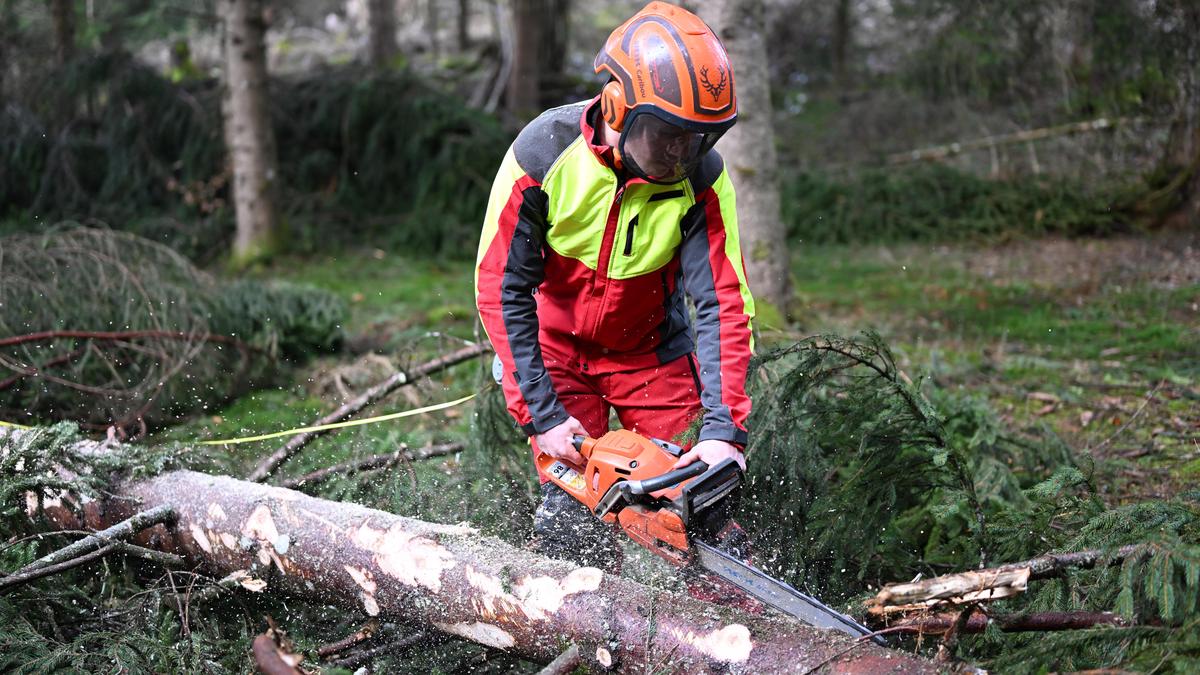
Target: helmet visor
x=660 y=152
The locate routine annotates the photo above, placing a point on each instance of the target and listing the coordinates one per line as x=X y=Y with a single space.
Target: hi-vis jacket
x=574 y=263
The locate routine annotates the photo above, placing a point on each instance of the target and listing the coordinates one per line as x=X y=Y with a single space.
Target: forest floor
x=1099 y=339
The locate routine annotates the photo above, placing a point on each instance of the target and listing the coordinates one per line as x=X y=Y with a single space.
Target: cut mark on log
x=535 y=597
x=483 y=633
x=365 y=581
x=260 y=527
x=200 y=537
x=730 y=644
x=542 y=596
x=414 y=560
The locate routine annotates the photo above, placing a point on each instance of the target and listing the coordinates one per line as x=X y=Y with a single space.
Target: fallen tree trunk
x=459 y=582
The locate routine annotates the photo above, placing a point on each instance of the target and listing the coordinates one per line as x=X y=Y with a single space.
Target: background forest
x=973 y=229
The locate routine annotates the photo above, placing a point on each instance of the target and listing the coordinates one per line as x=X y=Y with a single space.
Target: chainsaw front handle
x=666 y=480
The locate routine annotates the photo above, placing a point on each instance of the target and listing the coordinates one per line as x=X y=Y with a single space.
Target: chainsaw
x=628 y=480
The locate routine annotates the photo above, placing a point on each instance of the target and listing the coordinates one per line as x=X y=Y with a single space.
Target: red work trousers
x=658 y=402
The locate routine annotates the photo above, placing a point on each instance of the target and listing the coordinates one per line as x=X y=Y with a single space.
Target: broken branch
x=371 y=396
x=986 y=584
x=107 y=537
x=371 y=463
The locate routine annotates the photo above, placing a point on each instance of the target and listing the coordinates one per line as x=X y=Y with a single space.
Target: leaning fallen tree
x=457 y=581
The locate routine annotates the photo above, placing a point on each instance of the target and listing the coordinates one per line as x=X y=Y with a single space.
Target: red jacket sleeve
x=715 y=278
x=509 y=266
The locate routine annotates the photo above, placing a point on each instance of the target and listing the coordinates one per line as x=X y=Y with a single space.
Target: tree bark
x=749 y=151
x=840 y=46
x=463 y=25
x=978 y=622
x=381 y=33
x=62 y=13
x=248 y=135
x=454 y=580
x=525 y=78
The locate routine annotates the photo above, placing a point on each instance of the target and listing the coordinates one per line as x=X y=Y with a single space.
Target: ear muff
x=612 y=105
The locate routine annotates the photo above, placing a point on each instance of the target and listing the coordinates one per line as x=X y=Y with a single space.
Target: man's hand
x=557 y=441
x=711 y=452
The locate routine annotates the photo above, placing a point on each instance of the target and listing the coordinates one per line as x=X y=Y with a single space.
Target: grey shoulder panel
x=711 y=166
x=545 y=138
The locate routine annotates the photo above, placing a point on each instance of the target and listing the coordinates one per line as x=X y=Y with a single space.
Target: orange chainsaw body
x=657 y=519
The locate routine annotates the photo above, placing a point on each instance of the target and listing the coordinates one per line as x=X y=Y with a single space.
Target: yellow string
x=321 y=427
x=338 y=425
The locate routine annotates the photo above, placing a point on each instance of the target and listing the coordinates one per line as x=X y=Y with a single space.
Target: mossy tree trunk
x=381 y=33
x=749 y=149
x=1183 y=149
x=62 y=13
x=249 y=138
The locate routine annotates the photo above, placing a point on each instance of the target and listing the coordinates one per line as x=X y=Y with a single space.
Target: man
x=602 y=215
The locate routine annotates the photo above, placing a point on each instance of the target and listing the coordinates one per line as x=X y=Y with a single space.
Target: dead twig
x=269 y=465
x=361 y=635
x=371 y=463
x=1134 y=416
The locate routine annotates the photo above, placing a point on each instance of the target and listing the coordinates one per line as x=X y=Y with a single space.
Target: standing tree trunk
x=525 y=78
x=840 y=46
x=749 y=151
x=248 y=134
x=62 y=12
x=464 y=24
x=381 y=33
x=1184 y=145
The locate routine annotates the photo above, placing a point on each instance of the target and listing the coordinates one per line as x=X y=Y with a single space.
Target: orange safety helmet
x=671 y=93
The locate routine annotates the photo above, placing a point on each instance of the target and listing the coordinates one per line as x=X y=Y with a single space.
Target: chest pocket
x=649 y=236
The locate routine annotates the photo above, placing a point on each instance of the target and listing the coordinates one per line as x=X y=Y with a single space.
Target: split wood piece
x=451 y=579
x=119 y=532
x=1041 y=621
x=371 y=463
x=31 y=573
x=272 y=659
x=565 y=664
x=987 y=584
x=371 y=396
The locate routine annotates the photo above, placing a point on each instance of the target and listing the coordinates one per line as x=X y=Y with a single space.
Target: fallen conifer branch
x=30 y=573
x=986 y=584
x=119 y=532
x=269 y=465
x=371 y=463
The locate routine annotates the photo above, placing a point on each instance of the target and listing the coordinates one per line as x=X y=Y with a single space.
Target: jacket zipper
x=606 y=247
x=629 y=236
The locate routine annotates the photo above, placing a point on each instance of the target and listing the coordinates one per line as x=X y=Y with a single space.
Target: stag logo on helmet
x=713 y=88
